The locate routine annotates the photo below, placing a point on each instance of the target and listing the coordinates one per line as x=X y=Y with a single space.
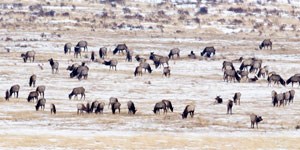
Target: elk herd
x=230 y=74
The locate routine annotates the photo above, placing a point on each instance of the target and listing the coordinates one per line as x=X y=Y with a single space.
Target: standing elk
x=276 y=79
x=80 y=108
x=32 y=80
x=237 y=98
x=255 y=119
x=13 y=90
x=54 y=65
x=52 y=109
x=32 y=95
x=112 y=100
x=167 y=71
x=41 y=90
x=229 y=106
x=28 y=55
x=168 y=104
x=115 y=106
x=82 y=44
x=102 y=52
x=158 y=106
x=67 y=48
x=111 y=63
x=100 y=108
x=174 y=51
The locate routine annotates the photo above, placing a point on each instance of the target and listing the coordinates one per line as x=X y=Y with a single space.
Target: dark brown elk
x=266 y=43
x=292 y=95
x=218 y=100
x=93 y=56
x=32 y=80
x=6 y=95
x=77 y=51
x=76 y=91
x=192 y=55
x=102 y=52
x=293 y=79
x=189 y=109
x=167 y=71
x=208 y=51
x=158 y=106
x=140 y=59
x=28 y=55
x=52 y=109
x=82 y=44
x=131 y=107
x=255 y=119
x=115 y=106
x=119 y=48
x=32 y=95
x=168 y=104
x=237 y=98
x=229 y=106
x=40 y=103
x=174 y=51
x=67 y=48
x=41 y=90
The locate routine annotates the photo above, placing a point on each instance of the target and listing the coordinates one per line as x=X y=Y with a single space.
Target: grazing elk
x=174 y=51
x=146 y=66
x=102 y=52
x=111 y=63
x=80 y=108
x=40 y=103
x=120 y=47
x=112 y=100
x=138 y=71
x=54 y=65
x=32 y=80
x=167 y=71
x=168 y=104
x=208 y=51
x=32 y=95
x=129 y=54
x=266 y=43
x=189 y=109
x=229 y=106
x=93 y=106
x=158 y=106
x=100 y=108
x=293 y=79
x=256 y=65
x=263 y=72
x=76 y=91
x=77 y=51
x=41 y=90
x=28 y=55
x=255 y=119
x=246 y=63
x=14 y=90
x=276 y=79
x=83 y=44
x=243 y=74
x=67 y=48
x=115 y=106
x=131 y=107
x=237 y=98
x=52 y=109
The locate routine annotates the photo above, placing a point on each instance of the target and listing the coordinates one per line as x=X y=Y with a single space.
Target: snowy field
x=193 y=81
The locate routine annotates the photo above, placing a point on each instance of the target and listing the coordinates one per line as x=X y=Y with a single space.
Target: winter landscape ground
x=234 y=29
